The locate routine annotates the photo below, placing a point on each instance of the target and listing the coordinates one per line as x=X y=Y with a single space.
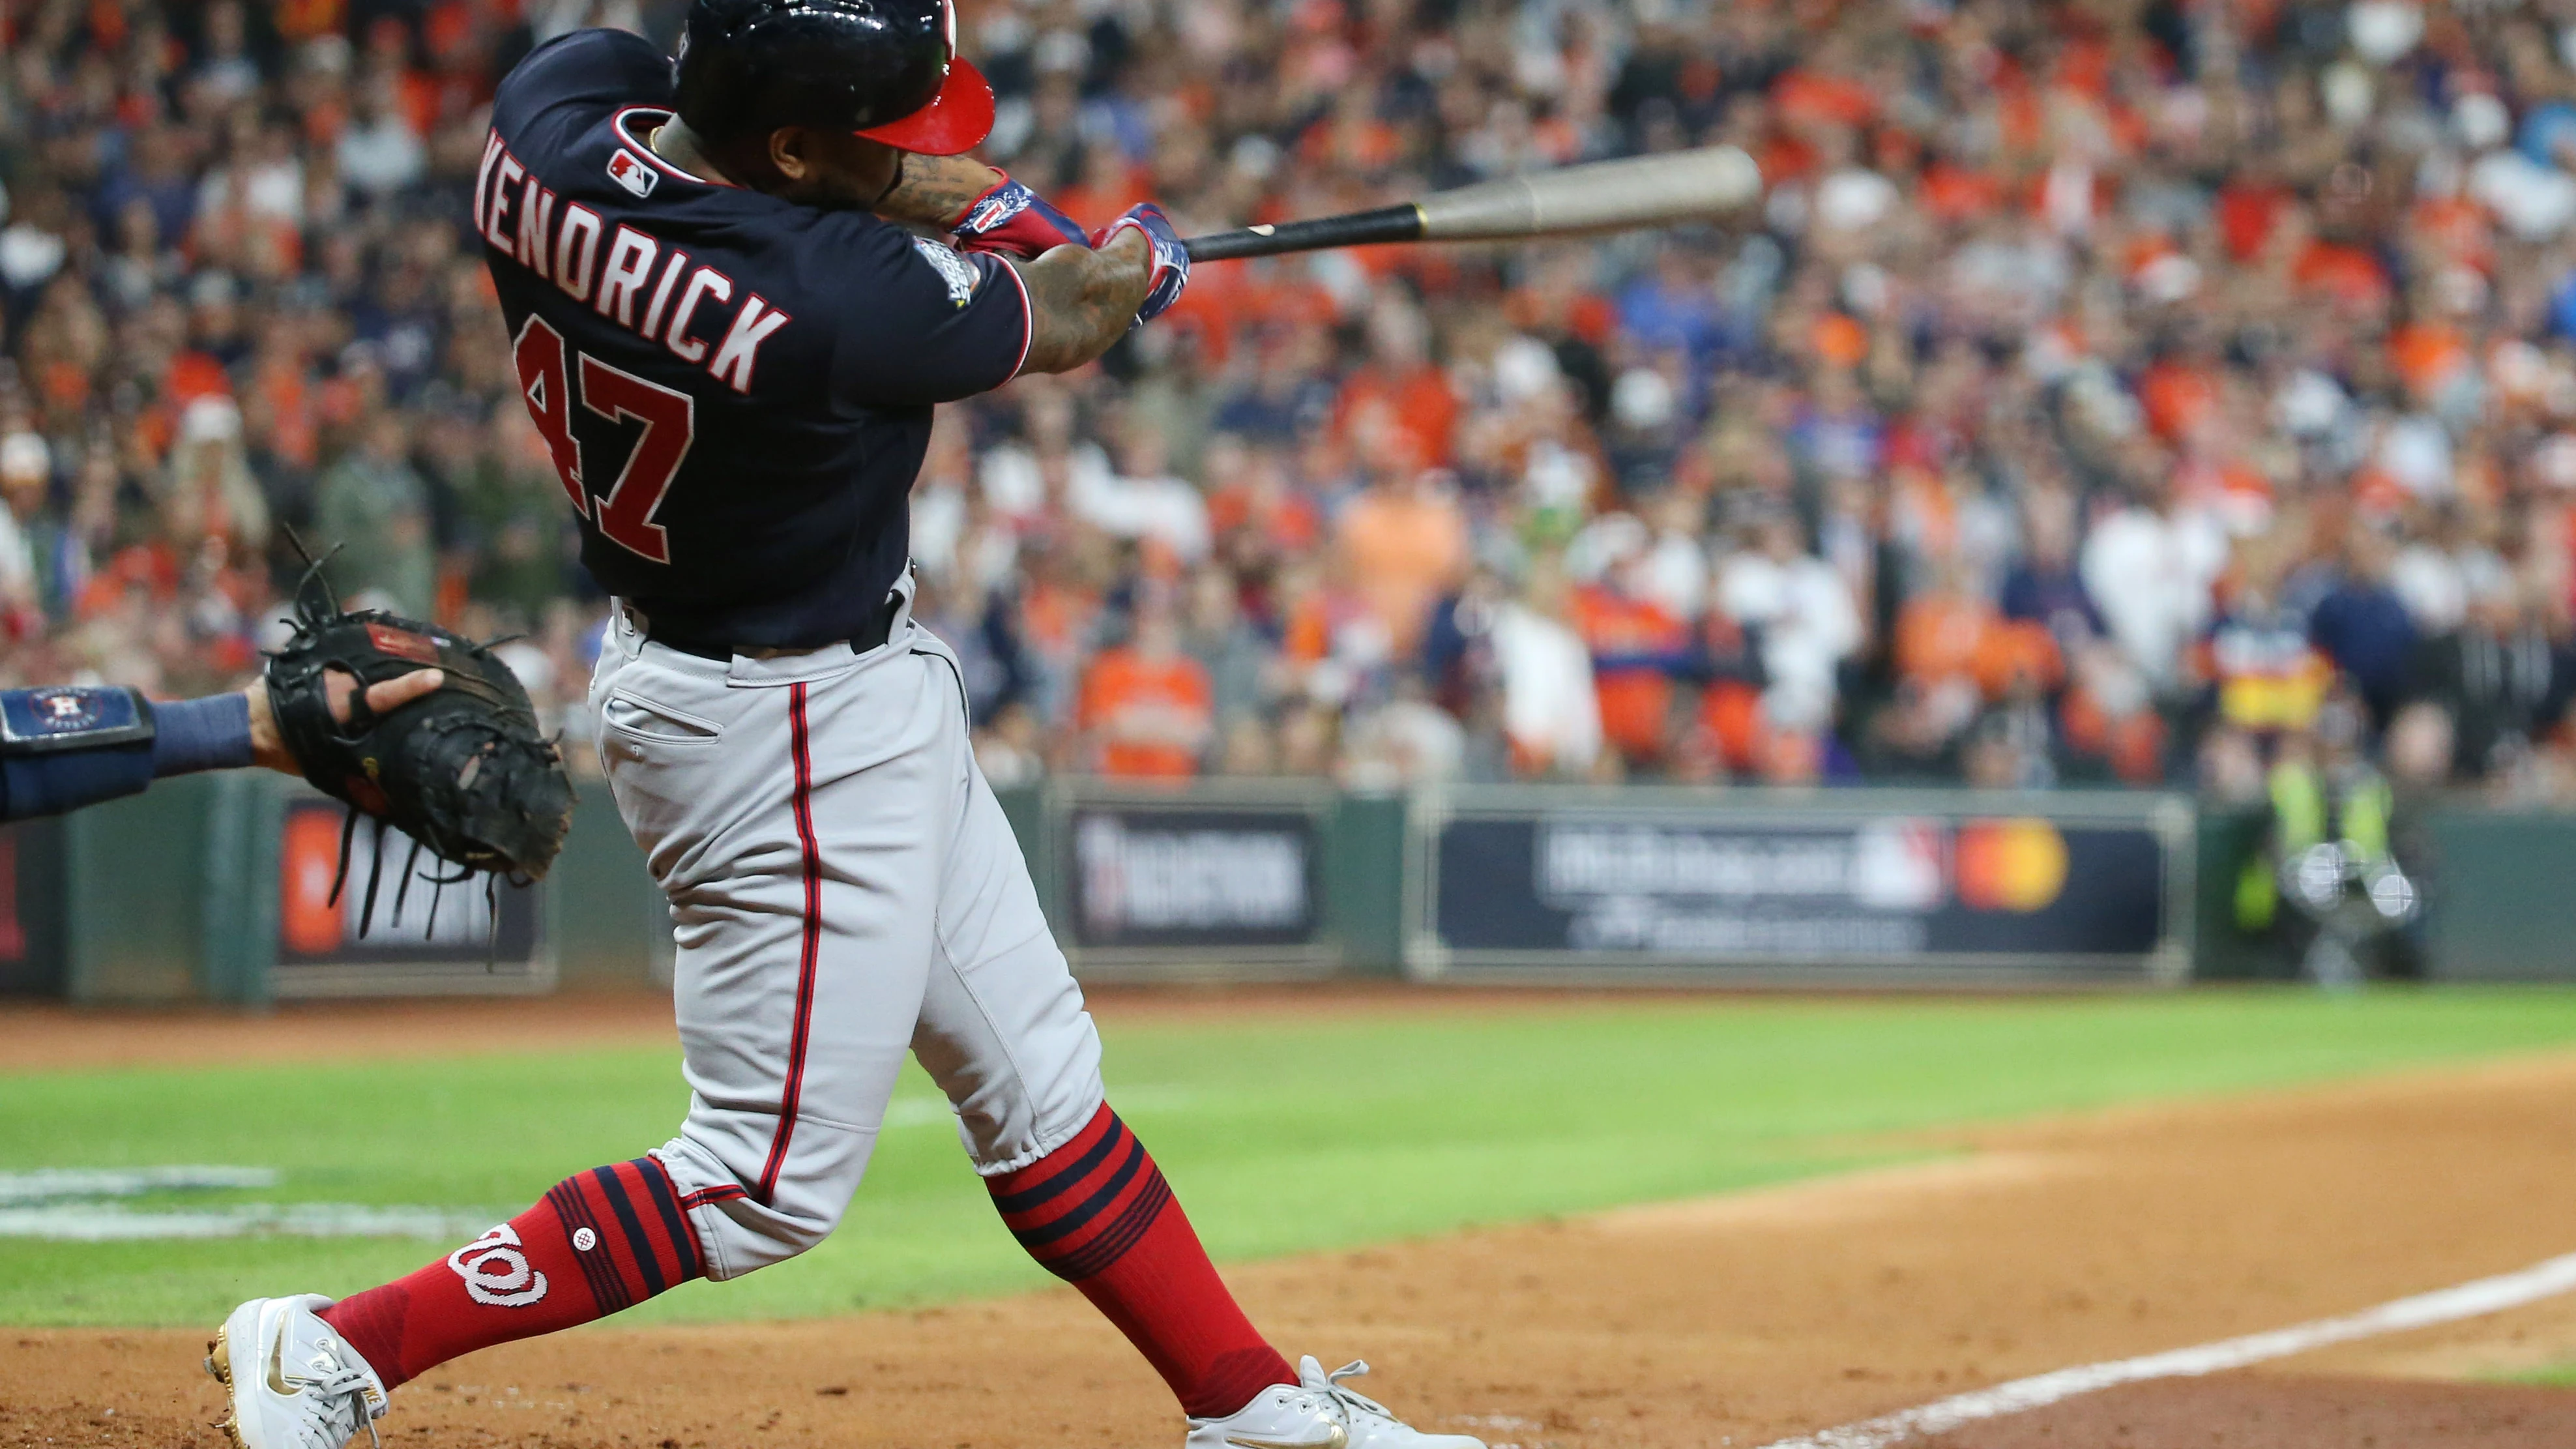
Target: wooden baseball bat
x=1639 y=191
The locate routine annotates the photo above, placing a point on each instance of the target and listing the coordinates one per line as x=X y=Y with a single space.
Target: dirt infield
x=2249 y=1412
x=1729 y=1322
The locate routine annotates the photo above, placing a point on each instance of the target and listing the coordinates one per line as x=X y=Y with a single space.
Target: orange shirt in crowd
x=194 y=375
x=1840 y=340
x=2429 y=356
x=2019 y=109
x=1806 y=97
x=1401 y=550
x=1731 y=725
x=2176 y=398
x=2247 y=212
x=2458 y=228
x=2231 y=487
x=1419 y=405
x=1956 y=193
x=1284 y=518
x=305 y=19
x=1120 y=682
x=2345 y=273
x=1938 y=635
x=2018 y=649
x=1636 y=701
x=2132 y=744
x=1949 y=636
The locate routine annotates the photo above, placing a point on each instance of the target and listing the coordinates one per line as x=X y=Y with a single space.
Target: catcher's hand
x=268 y=748
x=427 y=732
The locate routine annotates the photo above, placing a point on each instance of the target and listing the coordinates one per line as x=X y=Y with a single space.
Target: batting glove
x=1015 y=221
x=1168 y=262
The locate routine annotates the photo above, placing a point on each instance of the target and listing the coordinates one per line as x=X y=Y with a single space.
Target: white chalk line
x=2443 y=1305
x=107 y=1222
x=54 y=1184
x=81 y=1205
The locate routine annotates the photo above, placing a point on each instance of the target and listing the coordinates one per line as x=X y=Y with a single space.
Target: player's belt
x=874 y=632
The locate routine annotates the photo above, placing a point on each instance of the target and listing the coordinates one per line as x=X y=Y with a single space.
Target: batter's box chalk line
x=2424 y=1310
x=80 y=1205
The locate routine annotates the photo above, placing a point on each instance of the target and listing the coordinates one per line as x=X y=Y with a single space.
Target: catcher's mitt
x=462 y=770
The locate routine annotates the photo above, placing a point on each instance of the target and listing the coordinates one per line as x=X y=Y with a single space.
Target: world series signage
x=1856 y=887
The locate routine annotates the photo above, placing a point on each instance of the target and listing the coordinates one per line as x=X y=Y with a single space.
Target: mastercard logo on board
x=2010 y=865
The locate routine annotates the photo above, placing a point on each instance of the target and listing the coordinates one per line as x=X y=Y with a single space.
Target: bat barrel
x=1357 y=228
x=1604 y=196
x=1640 y=191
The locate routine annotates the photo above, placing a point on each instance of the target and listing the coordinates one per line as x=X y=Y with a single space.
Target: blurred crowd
x=2114 y=391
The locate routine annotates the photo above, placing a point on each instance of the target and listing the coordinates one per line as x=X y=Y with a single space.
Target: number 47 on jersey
x=625 y=513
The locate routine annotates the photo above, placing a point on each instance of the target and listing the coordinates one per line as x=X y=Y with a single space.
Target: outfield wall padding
x=2503 y=891
x=174 y=895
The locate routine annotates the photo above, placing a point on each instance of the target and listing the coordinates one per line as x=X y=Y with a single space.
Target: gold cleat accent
x=219 y=1362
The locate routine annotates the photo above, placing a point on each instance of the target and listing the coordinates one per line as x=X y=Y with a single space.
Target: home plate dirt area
x=1739 y=1321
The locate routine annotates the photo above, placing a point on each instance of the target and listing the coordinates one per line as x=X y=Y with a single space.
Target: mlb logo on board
x=634 y=175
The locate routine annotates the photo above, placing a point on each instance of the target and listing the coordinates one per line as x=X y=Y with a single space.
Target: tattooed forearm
x=1081 y=301
x=936 y=190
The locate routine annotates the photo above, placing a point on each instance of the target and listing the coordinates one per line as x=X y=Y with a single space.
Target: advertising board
x=1218 y=880
x=428 y=934
x=1851 y=887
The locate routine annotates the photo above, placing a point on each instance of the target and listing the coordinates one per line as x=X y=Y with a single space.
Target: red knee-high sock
x=602 y=1240
x=1097 y=1212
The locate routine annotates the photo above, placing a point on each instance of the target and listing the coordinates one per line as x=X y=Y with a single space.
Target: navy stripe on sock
x=1081 y=1214
x=607 y=1289
x=1019 y=1202
x=1131 y=1224
x=638 y=1246
x=658 y=1183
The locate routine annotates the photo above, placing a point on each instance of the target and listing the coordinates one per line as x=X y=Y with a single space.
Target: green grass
x=2557 y=1376
x=1281 y=1133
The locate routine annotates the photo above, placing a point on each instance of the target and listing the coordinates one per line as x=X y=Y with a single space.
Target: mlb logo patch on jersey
x=956 y=271
x=628 y=170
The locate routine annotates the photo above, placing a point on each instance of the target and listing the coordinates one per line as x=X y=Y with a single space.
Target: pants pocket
x=633 y=716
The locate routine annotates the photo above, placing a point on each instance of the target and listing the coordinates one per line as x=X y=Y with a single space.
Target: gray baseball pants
x=843 y=888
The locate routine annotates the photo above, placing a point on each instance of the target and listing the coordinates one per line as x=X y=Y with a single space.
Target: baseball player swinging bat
x=1641 y=191
x=732 y=341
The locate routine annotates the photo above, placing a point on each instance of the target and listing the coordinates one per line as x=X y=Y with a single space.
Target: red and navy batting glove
x=1015 y=221
x=1168 y=260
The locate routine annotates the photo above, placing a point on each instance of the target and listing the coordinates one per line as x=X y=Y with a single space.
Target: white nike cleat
x=296 y=1384
x=1316 y=1413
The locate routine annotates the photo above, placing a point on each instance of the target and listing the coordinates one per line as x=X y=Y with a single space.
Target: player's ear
x=791 y=151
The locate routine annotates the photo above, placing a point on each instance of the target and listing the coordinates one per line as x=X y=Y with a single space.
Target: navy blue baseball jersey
x=737 y=389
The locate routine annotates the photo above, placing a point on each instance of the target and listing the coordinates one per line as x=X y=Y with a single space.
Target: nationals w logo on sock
x=496 y=1272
